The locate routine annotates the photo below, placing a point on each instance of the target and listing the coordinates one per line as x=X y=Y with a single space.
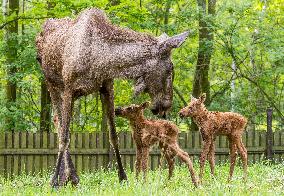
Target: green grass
x=262 y=180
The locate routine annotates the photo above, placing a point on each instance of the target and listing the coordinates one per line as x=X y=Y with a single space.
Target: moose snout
x=181 y=114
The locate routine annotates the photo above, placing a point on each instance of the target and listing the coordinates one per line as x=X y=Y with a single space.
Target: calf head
x=158 y=82
x=194 y=107
x=131 y=112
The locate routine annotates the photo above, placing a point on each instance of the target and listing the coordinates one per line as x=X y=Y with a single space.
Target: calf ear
x=173 y=42
x=145 y=105
x=202 y=98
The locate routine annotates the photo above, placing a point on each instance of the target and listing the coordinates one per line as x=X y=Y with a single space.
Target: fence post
x=269 y=136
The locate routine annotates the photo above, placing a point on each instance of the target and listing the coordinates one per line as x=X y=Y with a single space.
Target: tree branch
x=3 y=25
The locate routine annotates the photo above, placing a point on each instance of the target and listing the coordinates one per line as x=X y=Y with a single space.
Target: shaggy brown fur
x=85 y=55
x=212 y=124
x=148 y=132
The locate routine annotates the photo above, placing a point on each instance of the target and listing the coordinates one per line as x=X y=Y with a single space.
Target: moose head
x=158 y=82
x=194 y=107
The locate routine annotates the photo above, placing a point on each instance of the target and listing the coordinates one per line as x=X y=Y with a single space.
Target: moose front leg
x=107 y=97
x=64 y=167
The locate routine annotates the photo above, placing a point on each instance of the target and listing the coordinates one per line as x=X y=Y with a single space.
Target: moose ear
x=145 y=104
x=139 y=86
x=163 y=37
x=202 y=98
x=192 y=98
x=173 y=42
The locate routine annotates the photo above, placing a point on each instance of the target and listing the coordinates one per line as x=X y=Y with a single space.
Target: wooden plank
x=223 y=141
x=16 y=165
x=44 y=158
x=123 y=151
x=86 y=159
x=182 y=140
x=282 y=137
x=37 y=158
x=24 y=136
x=30 y=160
x=250 y=138
x=72 y=141
x=122 y=146
x=127 y=138
x=276 y=138
x=196 y=140
x=16 y=145
x=52 y=147
x=106 y=147
x=256 y=138
x=2 y=146
x=79 y=158
x=190 y=139
x=92 y=163
x=9 y=163
x=244 y=138
x=9 y=140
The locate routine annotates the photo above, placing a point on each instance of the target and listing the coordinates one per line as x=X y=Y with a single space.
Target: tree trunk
x=114 y=2
x=45 y=112
x=11 y=55
x=45 y=101
x=201 y=82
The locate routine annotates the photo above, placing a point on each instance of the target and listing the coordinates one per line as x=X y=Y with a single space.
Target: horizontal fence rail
x=26 y=152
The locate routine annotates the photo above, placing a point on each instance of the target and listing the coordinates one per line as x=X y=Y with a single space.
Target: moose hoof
x=54 y=182
x=122 y=176
x=74 y=178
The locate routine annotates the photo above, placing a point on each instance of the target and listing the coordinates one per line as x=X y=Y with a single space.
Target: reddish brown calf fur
x=210 y=125
x=148 y=132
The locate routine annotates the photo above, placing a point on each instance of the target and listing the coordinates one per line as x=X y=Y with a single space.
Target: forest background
x=235 y=54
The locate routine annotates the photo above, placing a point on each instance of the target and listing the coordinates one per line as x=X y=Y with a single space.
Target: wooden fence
x=33 y=152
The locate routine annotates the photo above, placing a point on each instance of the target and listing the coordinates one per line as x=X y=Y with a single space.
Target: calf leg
x=145 y=156
x=206 y=145
x=185 y=158
x=138 y=163
x=211 y=158
x=108 y=100
x=233 y=155
x=171 y=162
x=243 y=153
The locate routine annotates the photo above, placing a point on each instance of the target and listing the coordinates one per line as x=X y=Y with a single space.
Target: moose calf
x=210 y=125
x=148 y=132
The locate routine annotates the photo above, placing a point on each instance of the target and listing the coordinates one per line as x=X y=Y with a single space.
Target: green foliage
x=262 y=180
x=250 y=33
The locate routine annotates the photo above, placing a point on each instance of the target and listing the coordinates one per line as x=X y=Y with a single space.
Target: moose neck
x=201 y=117
x=134 y=59
x=138 y=121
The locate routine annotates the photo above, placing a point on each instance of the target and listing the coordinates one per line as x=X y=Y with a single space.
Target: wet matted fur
x=84 y=55
x=210 y=125
x=147 y=132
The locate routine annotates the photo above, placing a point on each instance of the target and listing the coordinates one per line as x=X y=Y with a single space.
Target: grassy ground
x=263 y=180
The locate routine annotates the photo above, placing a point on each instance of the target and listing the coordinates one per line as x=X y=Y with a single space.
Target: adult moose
x=85 y=55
